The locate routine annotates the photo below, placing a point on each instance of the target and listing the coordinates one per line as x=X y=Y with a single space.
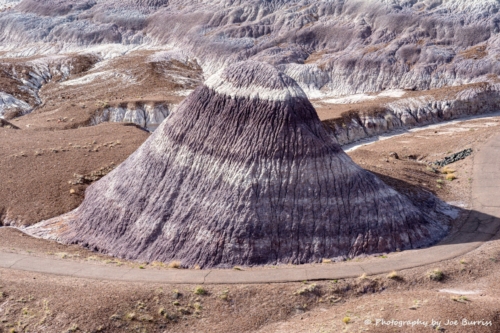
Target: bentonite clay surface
x=243 y=173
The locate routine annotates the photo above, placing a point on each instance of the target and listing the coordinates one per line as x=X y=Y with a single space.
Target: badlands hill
x=336 y=47
x=243 y=173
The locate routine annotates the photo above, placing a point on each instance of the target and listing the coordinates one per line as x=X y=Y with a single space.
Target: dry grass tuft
x=174 y=264
x=451 y=176
x=460 y=299
x=224 y=295
x=436 y=275
x=447 y=170
x=394 y=275
x=158 y=264
x=199 y=290
x=307 y=289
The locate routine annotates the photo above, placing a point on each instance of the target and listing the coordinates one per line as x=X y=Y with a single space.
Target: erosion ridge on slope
x=363 y=121
x=239 y=175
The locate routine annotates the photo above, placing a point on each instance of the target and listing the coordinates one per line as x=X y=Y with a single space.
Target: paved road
x=482 y=224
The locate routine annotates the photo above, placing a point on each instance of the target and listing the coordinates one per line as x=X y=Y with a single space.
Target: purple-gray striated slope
x=243 y=174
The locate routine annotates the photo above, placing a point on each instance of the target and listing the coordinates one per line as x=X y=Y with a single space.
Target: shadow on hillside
x=470 y=225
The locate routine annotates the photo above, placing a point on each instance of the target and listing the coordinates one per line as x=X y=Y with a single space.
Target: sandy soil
x=38 y=166
x=416 y=152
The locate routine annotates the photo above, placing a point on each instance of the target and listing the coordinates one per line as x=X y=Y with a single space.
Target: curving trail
x=482 y=224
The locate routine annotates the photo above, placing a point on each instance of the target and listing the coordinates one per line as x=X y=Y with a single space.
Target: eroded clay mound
x=243 y=173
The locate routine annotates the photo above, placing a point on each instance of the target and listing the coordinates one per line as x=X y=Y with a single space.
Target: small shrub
x=393 y=275
x=460 y=299
x=326 y=261
x=158 y=264
x=451 y=177
x=175 y=264
x=363 y=276
x=176 y=303
x=307 y=289
x=171 y=316
x=184 y=311
x=224 y=295
x=140 y=305
x=130 y=316
x=435 y=275
x=346 y=320
x=463 y=262
x=447 y=170
x=200 y=291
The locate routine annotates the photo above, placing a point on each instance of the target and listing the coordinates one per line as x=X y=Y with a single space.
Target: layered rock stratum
x=243 y=173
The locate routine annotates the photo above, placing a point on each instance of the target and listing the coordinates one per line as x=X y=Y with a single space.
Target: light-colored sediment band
x=223 y=87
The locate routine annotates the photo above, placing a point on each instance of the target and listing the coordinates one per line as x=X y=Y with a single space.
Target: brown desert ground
x=39 y=167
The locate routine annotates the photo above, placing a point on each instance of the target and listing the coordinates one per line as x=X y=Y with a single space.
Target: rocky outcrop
x=148 y=115
x=243 y=173
x=406 y=113
x=11 y=107
x=20 y=82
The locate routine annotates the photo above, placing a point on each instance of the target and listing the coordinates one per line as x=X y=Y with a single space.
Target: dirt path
x=481 y=225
